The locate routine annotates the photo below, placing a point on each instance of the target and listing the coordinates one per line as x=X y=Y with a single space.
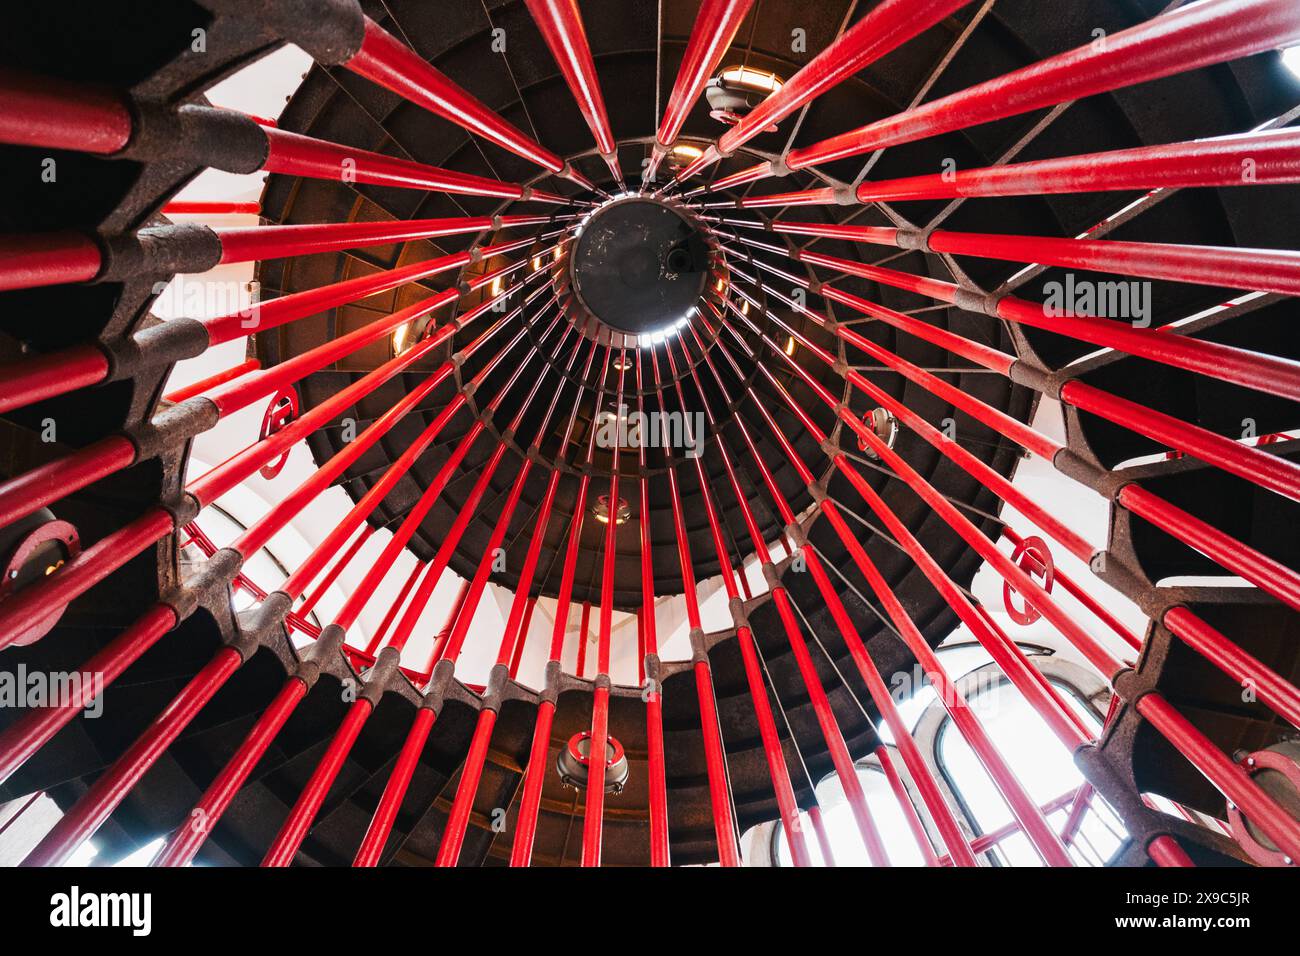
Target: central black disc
x=640 y=265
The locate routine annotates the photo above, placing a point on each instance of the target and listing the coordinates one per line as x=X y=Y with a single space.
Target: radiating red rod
x=471 y=772
x=942 y=814
x=52 y=258
x=715 y=762
x=1105 y=662
x=278 y=242
x=885 y=27
x=521 y=849
x=715 y=27
x=39 y=377
x=182 y=846
x=1276 y=473
x=560 y=23
x=1045 y=840
x=294 y=829
x=199 y=208
x=377 y=638
x=1165 y=851
x=38 y=725
x=1256 y=567
x=385 y=60
x=907 y=807
x=1263 y=270
x=1253 y=370
x=657 y=784
x=1227 y=777
x=294 y=154
x=344 y=560
x=381 y=825
x=112 y=786
x=777 y=770
x=220 y=378
x=43 y=259
x=1189 y=38
x=95 y=563
x=1246 y=159
x=1270 y=686
x=58 y=114
x=593 y=818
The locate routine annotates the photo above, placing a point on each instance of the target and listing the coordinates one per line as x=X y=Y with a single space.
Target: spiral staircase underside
x=638 y=55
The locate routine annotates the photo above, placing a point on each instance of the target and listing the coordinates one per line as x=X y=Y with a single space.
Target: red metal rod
x=50 y=258
x=40 y=377
x=377 y=638
x=220 y=378
x=296 y=155
x=294 y=829
x=1264 y=572
x=1045 y=840
x=580 y=665
x=278 y=242
x=946 y=822
x=37 y=726
x=381 y=824
x=1188 y=38
x=593 y=818
x=344 y=560
x=1254 y=464
x=1217 y=162
x=1227 y=777
x=885 y=27
x=521 y=849
x=521 y=638
x=385 y=60
x=909 y=809
x=823 y=841
x=1270 y=686
x=1165 y=851
x=112 y=786
x=187 y=208
x=560 y=23
x=715 y=27
x=655 y=766
x=57 y=114
x=1252 y=370
x=1265 y=270
x=200 y=822
x=287 y=308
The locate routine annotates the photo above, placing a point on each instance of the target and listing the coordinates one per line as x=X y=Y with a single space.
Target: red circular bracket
x=1035 y=559
x=55 y=532
x=1284 y=763
x=282 y=410
x=576 y=753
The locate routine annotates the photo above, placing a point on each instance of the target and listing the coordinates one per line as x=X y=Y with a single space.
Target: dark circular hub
x=640 y=265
